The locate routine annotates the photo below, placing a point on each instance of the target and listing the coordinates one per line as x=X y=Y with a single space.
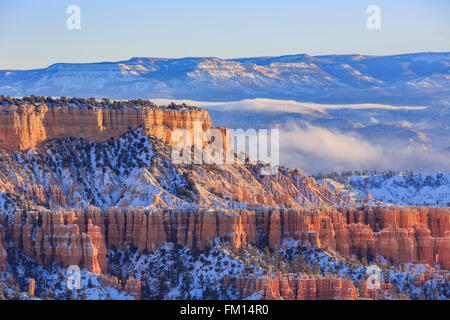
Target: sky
x=34 y=33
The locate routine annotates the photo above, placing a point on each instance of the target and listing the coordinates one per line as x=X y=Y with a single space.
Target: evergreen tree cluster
x=90 y=103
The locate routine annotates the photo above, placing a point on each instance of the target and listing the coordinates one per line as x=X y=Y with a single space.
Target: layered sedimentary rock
x=294 y=287
x=26 y=127
x=61 y=237
x=417 y=235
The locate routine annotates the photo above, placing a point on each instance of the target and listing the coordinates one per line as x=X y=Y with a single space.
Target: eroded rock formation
x=294 y=287
x=417 y=235
x=62 y=237
x=42 y=215
x=26 y=127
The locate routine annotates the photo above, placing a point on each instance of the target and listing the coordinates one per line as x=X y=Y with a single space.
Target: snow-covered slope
x=70 y=172
x=173 y=273
x=137 y=171
x=431 y=189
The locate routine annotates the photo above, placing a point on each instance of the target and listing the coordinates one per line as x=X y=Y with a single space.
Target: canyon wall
x=26 y=127
x=407 y=234
x=56 y=237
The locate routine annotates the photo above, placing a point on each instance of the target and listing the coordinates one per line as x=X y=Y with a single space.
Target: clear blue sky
x=33 y=33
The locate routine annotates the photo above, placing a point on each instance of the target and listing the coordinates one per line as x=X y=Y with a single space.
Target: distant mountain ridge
x=414 y=79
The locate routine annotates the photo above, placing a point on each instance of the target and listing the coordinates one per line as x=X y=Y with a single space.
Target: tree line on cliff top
x=89 y=103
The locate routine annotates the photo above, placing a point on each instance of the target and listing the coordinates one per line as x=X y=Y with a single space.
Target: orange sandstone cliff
x=24 y=127
x=417 y=235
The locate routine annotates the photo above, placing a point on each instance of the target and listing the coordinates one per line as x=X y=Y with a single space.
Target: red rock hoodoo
x=409 y=234
x=293 y=287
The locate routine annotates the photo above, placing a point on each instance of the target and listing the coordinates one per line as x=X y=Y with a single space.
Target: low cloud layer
x=282 y=106
x=316 y=149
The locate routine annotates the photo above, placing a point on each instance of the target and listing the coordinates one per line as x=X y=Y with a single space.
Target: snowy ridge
x=412 y=78
x=405 y=189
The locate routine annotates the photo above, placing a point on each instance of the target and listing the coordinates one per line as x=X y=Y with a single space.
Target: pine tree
x=362 y=289
x=16 y=292
x=294 y=266
x=68 y=294
x=436 y=294
x=241 y=253
x=267 y=254
x=49 y=295
x=90 y=284
x=278 y=260
x=186 y=285
x=162 y=287
x=364 y=262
